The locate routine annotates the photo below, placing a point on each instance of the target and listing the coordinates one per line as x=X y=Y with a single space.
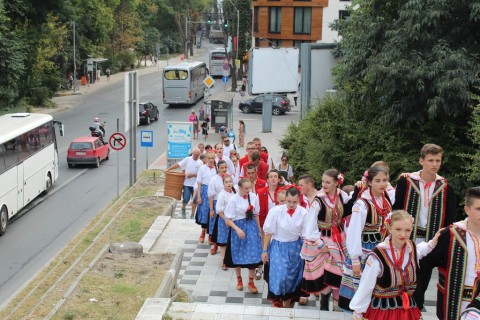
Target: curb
x=169 y=281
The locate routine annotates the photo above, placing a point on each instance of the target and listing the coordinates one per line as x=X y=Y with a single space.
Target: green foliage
x=473 y=167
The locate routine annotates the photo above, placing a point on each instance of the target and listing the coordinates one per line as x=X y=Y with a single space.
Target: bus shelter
x=221 y=108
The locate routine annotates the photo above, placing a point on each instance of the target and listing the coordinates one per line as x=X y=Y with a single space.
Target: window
x=276 y=42
x=303 y=20
x=343 y=14
x=176 y=74
x=275 y=20
x=256 y=11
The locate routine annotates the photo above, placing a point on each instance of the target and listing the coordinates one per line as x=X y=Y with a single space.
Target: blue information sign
x=179 y=138
x=225 y=79
x=146 y=138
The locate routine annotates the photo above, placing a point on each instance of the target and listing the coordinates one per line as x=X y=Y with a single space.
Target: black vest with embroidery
x=436 y=210
x=451 y=279
x=387 y=293
x=372 y=232
x=325 y=216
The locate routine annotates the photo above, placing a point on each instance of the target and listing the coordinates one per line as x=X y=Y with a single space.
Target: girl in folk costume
x=220 y=231
x=325 y=270
x=391 y=273
x=285 y=229
x=244 y=248
x=215 y=186
x=267 y=199
x=365 y=230
x=234 y=156
x=205 y=173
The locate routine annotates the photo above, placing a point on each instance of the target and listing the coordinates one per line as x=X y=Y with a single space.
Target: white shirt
x=230 y=167
x=423 y=214
x=373 y=269
x=190 y=166
x=205 y=174
x=227 y=149
x=223 y=199
x=357 y=223
x=283 y=227
x=289 y=170
x=215 y=186
x=237 y=207
x=236 y=177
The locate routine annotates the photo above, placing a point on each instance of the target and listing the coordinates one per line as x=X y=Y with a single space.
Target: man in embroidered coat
x=457 y=256
x=431 y=201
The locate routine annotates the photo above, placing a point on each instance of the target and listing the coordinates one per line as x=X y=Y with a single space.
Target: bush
x=39 y=95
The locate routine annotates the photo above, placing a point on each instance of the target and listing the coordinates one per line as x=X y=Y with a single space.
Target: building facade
x=289 y=23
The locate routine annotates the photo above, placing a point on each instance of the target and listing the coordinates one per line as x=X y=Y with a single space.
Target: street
x=35 y=238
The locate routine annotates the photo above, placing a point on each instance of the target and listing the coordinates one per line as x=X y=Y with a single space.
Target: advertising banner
x=179 y=138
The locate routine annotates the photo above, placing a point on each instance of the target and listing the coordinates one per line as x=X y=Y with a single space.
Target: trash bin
x=84 y=81
x=174 y=184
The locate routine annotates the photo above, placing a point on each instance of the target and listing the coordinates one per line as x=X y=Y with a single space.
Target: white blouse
x=215 y=186
x=237 y=207
x=373 y=269
x=283 y=227
x=223 y=199
x=230 y=166
x=205 y=174
x=357 y=223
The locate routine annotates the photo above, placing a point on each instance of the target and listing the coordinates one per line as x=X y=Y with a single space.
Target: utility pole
x=74 y=63
x=186 y=38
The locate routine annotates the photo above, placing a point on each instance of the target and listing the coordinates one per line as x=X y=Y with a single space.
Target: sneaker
x=252 y=288
x=183 y=213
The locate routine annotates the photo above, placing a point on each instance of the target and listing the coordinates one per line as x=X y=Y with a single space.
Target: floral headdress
x=340 y=178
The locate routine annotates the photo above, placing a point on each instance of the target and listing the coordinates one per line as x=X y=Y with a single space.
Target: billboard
x=273 y=70
x=179 y=139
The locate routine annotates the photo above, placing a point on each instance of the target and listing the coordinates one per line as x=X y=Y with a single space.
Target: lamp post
x=74 y=63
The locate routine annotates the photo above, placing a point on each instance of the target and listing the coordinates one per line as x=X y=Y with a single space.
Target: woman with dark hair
x=365 y=230
x=324 y=272
x=285 y=229
x=244 y=248
x=285 y=170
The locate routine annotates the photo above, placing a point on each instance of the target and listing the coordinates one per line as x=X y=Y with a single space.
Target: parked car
x=147 y=112
x=280 y=105
x=87 y=150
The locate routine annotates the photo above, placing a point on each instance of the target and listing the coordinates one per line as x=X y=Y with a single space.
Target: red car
x=87 y=150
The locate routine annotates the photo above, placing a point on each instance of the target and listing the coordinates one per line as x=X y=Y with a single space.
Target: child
x=457 y=257
x=205 y=129
x=215 y=186
x=220 y=230
x=391 y=273
x=203 y=158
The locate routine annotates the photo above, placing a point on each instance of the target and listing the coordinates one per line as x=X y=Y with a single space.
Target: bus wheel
x=48 y=183
x=3 y=220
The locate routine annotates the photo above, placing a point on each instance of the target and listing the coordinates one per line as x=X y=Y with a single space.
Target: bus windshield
x=218 y=56
x=176 y=74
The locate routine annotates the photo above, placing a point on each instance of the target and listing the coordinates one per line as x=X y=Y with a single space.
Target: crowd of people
x=368 y=249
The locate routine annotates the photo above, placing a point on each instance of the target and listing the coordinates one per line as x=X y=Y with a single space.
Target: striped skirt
x=203 y=210
x=350 y=282
x=313 y=275
x=244 y=253
x=334 y=261
x=286 y=269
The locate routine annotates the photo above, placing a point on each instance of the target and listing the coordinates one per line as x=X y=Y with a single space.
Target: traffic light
x=209 y=19
x=225 y=24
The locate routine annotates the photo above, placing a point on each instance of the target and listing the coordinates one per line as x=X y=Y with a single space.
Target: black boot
x=324 y=299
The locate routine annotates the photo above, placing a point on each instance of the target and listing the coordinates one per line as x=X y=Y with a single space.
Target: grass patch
x=117 y=285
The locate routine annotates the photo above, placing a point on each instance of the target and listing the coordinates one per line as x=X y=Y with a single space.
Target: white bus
x=183 y=83
x=28 y=161
x=216 y=59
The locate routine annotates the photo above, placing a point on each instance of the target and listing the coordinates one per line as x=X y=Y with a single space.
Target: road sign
x=225 y=79
x=209 y=82
x=117 y=141
x=146 y=138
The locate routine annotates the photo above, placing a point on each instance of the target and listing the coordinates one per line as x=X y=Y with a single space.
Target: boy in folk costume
x=457 y=257
x=430 y=199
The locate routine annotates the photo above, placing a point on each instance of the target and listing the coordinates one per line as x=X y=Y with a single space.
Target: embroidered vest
x=436 y=210
x=387 y=293
x=325 y=216
x=372 y=232
x=451 y=280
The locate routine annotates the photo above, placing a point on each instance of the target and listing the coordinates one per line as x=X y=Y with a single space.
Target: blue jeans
x=187 y=194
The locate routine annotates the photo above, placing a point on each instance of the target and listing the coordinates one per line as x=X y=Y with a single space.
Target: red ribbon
x=291 y=212
x=250 y=207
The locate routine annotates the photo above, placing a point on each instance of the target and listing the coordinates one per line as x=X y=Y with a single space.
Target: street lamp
x=274 y=46
x=74 y=63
